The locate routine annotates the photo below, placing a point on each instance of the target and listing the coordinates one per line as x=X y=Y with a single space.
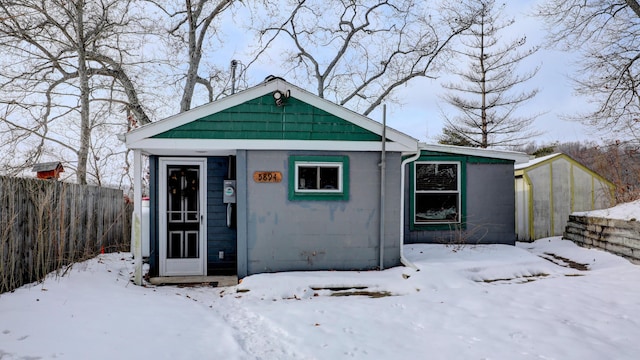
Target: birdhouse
x=48 y=170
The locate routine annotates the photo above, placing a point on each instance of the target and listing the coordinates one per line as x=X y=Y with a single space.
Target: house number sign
x=267 y=176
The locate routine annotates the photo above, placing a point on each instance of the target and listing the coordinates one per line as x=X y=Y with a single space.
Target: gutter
x=404 y=260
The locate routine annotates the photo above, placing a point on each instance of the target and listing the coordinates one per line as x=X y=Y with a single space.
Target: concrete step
x=218 y=281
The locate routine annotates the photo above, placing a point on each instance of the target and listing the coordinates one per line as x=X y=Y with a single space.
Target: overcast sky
x=420 y=115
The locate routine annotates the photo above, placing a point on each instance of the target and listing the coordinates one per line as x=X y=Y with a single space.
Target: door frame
x=190 y=267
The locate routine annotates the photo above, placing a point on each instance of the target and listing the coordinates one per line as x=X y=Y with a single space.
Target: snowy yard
x=546 y=300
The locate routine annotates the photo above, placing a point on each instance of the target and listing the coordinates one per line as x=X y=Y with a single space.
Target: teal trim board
x=463 y=160
x=318 y=196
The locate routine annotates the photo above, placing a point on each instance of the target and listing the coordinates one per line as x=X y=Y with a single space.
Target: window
x=437 y=193
x=318 y=177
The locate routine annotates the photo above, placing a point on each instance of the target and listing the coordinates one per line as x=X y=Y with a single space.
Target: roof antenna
x=234 y=65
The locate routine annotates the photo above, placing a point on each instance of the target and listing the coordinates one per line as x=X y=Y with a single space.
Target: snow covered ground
x=625 y=211
x=545 y=300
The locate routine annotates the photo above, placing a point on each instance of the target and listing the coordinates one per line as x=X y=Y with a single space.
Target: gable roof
x=521 y=169
x=48 y=166
x=531 y=163
x=250 y=120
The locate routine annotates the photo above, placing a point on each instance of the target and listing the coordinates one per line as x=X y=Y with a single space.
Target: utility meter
x=229 y=192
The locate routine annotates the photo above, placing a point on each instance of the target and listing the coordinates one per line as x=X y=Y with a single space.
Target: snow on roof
x=536 y=161
x=625 y=211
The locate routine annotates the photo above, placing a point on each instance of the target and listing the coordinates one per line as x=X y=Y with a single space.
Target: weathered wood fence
x=45 y=225
x=618 y=237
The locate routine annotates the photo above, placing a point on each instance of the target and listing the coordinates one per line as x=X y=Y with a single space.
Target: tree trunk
x=633 y=4
x=85 y=130
x=483 y=108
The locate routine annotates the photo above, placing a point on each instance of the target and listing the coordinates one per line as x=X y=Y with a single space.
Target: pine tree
x=486 y=98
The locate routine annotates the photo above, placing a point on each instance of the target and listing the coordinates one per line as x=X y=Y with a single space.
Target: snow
x=535 y=161
x=625 y=211
x=466 y=302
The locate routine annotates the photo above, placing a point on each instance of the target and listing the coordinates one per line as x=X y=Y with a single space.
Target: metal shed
x=550 y=188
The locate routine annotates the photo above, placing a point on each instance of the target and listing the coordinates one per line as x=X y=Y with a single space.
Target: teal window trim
x=340 y=194
x=462 y=175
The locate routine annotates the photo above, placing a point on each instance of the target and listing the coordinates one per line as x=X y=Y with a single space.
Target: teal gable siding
x=261 y=119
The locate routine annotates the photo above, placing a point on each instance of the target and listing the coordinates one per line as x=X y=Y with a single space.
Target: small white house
x=550 y=188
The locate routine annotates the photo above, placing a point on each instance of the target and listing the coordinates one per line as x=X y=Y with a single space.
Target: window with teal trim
x=318 y=178
x=437 y=193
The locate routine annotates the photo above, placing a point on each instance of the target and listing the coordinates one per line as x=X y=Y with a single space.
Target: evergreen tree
x=486 y=98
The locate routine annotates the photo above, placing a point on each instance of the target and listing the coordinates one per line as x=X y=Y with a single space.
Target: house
x=548 y=189
x=48 y=170
x=275 y=178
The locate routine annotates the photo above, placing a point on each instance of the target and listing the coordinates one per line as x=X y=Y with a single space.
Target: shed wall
x=562 y=194
x=522 y=189
x=558 y=188
x=603 y=195
x=583 y=187
x=540 y=178
x=284 y=235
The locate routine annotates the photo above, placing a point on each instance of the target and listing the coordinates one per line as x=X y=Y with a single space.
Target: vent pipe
x=234 y=66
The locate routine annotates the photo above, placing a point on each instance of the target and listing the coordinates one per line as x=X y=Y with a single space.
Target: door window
x=183 y=211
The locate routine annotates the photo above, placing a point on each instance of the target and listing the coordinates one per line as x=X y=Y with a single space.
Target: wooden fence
x=46 y=225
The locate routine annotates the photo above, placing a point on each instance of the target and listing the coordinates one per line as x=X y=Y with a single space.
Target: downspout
x=383 y=170
x=404 y=260
x=137 y=216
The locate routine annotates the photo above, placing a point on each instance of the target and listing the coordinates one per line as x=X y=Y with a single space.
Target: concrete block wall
x=619 y=237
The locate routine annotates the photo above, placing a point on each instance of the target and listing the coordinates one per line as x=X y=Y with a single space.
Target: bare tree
x=356 y=53
x=191 y=27
x=60 y=57
x=607 y=36
x=487 y=97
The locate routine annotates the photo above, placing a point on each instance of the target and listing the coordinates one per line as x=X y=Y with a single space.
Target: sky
x=466 y=302
x=419 y=114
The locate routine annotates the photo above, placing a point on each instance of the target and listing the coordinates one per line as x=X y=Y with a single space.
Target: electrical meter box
x=229 y=192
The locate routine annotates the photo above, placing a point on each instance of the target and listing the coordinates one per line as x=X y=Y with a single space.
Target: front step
x=218 y=281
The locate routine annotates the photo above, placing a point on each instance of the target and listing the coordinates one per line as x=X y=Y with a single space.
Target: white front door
x=182 y=201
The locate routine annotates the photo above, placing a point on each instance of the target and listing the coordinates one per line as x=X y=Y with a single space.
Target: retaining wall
x=620 y=237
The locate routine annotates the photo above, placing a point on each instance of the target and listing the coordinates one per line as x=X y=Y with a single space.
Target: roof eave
x=203 y=147
x=517 y=157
